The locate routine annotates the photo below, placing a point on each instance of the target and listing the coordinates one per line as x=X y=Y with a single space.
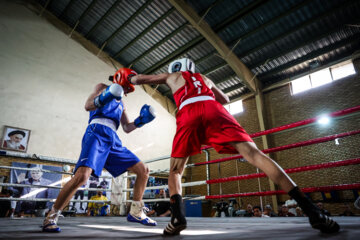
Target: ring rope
x=300 y=123
x=189 y=184
x=48 y=186
x=285 y=147
x=339 y=163
x=47 y=200
x=289 y=170
x=306 y=190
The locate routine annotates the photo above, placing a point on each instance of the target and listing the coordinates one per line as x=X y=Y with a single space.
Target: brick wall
x=283 y=108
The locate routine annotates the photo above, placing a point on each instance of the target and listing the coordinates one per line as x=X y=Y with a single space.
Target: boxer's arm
x=149 y=79
x=89 y=104
x=219 y=95
x=126 y=125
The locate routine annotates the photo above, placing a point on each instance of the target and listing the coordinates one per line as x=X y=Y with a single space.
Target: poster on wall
x=93 y=182
x=34 y=176
x=15 y=139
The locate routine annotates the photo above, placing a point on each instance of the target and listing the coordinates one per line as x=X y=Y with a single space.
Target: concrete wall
x=45 y=80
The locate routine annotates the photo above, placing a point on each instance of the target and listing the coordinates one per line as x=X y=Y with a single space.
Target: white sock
x=136 y=208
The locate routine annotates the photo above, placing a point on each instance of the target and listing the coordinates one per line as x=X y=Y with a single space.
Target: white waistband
x=104 y=121
x=195 y=99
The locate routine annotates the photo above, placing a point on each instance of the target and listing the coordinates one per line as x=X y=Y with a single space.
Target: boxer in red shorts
x=202 y=119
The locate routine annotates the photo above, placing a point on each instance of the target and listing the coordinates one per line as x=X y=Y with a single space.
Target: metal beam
x=66 y=8
x=129 y=20
x=232 y=88
x=355 y=38
x=92 y=4
x=179 y=29
x=213 y=69
x=290 y=11
x=334 y=28
x=224 y=79
x=260 y=108
x=174 y=54
x=148 y=29
x=303 y=25
x=109 y=11
x=83 y=15
x=241 y=96
x=203 y=27
x=245 y=11
x=182 y=27
x=45 y=7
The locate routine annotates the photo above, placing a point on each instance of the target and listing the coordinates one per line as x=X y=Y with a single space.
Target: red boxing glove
x=122 y=77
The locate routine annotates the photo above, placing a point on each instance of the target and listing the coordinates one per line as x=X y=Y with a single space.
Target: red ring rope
x=300 y=123
x=289 y=170
x=306 y=190
x=289 y=146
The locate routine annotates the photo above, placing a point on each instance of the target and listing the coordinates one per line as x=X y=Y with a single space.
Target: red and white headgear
x=122 y=77
x=181 y=65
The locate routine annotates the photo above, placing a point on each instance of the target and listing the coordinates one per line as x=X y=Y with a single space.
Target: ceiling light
x=324 y=120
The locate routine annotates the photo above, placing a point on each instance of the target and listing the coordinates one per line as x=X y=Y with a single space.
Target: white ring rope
x=190 y=184
x=46 y=186
x=46 y=200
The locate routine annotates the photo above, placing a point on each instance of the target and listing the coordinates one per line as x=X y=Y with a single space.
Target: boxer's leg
x=136 y=213
x=142 y=176
x=178 y=220
x=258 y=159
x=67 y=192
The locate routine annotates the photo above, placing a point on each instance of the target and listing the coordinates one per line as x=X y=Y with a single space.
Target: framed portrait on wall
x=15 y=139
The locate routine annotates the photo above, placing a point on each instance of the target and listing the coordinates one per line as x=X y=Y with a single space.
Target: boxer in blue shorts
x=102 y=148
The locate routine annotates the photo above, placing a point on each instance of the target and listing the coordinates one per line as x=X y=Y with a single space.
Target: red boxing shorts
x=206 y=123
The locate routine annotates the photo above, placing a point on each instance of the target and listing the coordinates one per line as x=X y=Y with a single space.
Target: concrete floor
x=198 y=228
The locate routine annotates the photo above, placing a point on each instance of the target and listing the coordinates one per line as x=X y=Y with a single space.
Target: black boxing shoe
x=324 y=223
x=317 y=219
x=178 y=220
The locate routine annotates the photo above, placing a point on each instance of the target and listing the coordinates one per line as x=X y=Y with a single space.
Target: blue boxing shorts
x=102 y=148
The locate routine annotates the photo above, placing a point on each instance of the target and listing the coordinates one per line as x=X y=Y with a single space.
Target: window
x=322 y=77
x=301 y=84
x=235 y=107
x=342 y=71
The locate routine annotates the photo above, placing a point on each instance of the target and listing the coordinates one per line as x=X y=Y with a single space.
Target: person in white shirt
x=291 y=204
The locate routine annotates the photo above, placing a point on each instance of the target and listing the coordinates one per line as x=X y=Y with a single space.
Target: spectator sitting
x=347 y=211
x=269 y=212
x=299 y=212
x=258 y=212
x=249 y=211
x=162 y=208
x=222 y=206
x=284 y=212
x=291 y=204
x=98 y=208
x=323 y=211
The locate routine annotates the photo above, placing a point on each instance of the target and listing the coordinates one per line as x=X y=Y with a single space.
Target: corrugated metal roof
x=274 y=38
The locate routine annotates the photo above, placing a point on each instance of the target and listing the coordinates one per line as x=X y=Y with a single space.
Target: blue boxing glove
x=147 y=114
x=114 y=91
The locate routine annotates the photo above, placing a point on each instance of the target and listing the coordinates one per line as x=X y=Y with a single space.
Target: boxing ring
x=198 y=228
